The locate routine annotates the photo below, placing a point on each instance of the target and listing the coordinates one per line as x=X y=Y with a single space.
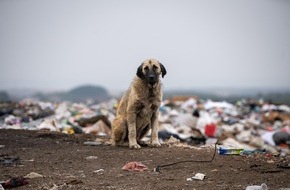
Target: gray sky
x=59 y=44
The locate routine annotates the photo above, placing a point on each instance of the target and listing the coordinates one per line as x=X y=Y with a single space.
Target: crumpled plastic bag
x=134 y=166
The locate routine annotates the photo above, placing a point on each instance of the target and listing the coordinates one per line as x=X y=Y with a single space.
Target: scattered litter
x=14 y=182
x=284 y=165
x=134 y=166
x=92 y=143
x=172 y=140
x=32 y=175
x=75 y=182
x=59 y=187
x=199 y=176
x=248 y=152
x=189 y=179
x=230 y=151
x=270 y=161
x=91 y=157
x=257 y=187
x=9 y=160
x=32 y=160
x=99 y=170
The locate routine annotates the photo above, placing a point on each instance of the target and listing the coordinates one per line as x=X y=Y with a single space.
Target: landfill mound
x=205 y=145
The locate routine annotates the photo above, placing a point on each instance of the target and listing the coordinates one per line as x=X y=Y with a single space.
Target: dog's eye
x=146 y=68
x=154 y=68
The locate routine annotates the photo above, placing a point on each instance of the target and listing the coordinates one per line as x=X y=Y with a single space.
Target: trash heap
x=63 y=117
x=23 y=114
x=248 y=124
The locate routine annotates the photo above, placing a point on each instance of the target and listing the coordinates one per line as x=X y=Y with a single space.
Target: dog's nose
x=151 y=77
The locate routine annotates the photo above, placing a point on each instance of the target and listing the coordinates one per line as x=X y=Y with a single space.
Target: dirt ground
x=63 y=160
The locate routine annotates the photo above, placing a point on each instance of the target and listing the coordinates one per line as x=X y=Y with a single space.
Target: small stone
x=32 y=175
x=189 y=179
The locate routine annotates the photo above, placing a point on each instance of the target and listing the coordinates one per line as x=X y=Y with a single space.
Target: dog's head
x=150 y=70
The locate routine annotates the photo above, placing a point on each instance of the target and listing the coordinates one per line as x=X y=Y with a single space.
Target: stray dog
x=139 y=107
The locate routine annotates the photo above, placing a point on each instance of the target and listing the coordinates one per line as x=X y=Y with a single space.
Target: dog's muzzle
x=152 y=79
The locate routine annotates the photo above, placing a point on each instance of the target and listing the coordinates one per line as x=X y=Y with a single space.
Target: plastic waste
x=210 y=130
x=249 y=152
x=257 y=187
x=99 y=170
x=91 y=157
x=14 y=182
x=134 y=166
x=9 y=160
x=230 y=151
x=199 y=176
x=94 y=143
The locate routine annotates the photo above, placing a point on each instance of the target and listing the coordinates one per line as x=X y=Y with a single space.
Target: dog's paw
x=155 y=145
x=135 y=146
x=113 y=143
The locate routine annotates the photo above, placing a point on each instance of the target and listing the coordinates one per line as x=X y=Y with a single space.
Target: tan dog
x=139 y=107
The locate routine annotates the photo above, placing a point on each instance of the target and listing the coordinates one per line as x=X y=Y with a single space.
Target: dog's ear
x=140 y=72
x=163 y=70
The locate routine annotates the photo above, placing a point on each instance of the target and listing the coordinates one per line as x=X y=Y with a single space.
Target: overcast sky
x=59 y=44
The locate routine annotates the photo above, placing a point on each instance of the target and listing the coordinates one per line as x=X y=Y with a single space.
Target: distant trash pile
x=252 y=126
x=64 y=117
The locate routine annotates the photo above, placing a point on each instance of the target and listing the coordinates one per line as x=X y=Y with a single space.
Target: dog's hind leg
x=119 y=132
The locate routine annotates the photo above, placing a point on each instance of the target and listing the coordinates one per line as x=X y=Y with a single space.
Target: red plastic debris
x=210 y=130
x=15 y=182
x=134 y=166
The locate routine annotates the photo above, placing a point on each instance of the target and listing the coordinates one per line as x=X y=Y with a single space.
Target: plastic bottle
x=230 y=151
x=248 y=152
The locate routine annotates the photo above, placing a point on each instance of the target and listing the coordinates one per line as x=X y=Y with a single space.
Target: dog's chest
x=148 y=106
x=147 y=110
x=144 y=116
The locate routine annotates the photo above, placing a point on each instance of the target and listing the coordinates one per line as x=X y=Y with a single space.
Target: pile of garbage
x=248 y=124
x=66 y=117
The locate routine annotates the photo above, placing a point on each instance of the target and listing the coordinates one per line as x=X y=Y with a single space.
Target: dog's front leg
x=131 y=118
x=154 y=133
